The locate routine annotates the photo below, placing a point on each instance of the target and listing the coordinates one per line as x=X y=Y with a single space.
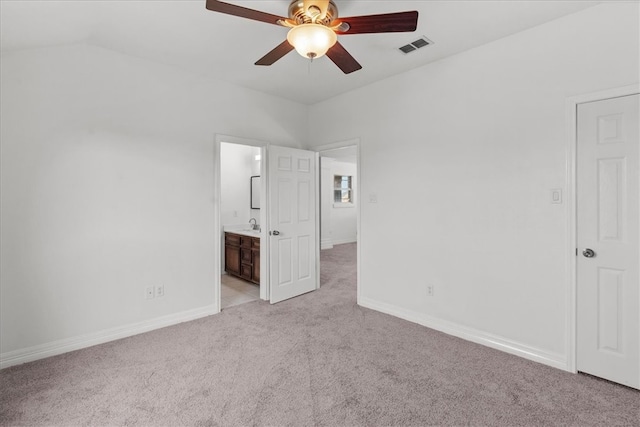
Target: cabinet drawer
x=255 y=243
x=245 y=271
x=245 y=256
x=231 y=239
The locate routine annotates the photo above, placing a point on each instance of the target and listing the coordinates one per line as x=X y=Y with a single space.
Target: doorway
x=238 y=160
x=280 y=247
x=340 y=199
x=607 y=255
x=240 y=222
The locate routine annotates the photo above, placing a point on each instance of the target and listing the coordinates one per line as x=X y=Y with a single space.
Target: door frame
x=264 y=212
x=572 y=212
x=343 y=144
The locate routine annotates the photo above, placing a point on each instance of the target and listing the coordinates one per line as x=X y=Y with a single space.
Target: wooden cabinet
x=242 y=256
x=232 y=254
x=255 y=253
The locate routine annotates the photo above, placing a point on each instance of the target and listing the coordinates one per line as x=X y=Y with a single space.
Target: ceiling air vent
x=407 y=48
x=422 y=42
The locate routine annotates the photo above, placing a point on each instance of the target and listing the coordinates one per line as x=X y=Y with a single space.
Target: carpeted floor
x=318 y=359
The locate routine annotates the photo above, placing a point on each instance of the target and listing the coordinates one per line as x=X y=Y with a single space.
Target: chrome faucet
x=254 y=225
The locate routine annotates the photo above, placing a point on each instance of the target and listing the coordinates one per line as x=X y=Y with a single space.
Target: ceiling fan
x=314 y=27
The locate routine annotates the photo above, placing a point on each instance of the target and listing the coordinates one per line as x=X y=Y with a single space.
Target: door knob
x=588 y=253
x=275 y=232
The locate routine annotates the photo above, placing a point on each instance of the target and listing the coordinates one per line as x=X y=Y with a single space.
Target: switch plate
x=148 y=292
x=429 y=290
x=159 y=291
x=373 y=198
x=556 y=196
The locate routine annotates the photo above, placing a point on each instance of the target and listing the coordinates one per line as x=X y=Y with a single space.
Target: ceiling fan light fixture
x=312 y=40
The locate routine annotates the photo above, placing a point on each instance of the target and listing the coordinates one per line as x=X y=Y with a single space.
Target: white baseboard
x=54 y=348
x=470 y=334
x=345 y=240
x=326 y=244
x=329 y=243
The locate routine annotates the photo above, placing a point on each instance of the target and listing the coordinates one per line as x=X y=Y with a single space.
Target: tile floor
x=236 y=291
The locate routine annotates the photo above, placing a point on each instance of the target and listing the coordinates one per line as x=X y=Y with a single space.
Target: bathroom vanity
x=242 y=255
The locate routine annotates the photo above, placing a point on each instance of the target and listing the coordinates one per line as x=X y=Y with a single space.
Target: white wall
x=256 y=170
x=339 y=222
x=108 y=187
x=326 y=202
x=462 y=155
x=238 y=165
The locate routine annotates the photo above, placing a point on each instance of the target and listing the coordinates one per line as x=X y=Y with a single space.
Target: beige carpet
x=318 y=359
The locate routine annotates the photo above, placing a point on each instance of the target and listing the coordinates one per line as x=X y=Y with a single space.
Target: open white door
x=292 y=222
x=608 y=247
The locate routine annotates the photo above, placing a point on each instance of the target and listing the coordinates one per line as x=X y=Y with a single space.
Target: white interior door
x=608 y=332
x=292 y=222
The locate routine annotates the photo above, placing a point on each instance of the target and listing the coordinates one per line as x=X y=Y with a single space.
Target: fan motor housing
x=298 y=13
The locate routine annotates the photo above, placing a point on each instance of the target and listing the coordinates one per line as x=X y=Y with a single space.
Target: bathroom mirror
x=255 y=192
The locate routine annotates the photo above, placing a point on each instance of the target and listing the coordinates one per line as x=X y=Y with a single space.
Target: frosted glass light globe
x=312 y=40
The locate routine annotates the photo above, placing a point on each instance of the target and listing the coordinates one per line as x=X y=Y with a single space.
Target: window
x=342 y=191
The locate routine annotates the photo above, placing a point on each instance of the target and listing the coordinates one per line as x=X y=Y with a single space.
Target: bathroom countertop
x=244 y=232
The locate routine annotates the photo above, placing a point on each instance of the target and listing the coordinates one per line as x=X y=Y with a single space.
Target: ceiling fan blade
x=322 y=6
x=343 y=59
x=278 y=52
x=386 y=23
x=243 y=12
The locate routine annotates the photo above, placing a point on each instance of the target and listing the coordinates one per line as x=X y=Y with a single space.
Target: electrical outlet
x=556 y=196
x=159 y=291
x=148 y=292
x=429 y=290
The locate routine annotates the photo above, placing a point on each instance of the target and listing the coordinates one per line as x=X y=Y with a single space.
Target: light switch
x=373 y=198
x=556 y=196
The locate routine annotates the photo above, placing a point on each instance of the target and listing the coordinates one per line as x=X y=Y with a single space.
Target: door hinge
x=576 y=251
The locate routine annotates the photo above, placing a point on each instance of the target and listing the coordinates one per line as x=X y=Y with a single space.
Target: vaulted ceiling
x=184 y=34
